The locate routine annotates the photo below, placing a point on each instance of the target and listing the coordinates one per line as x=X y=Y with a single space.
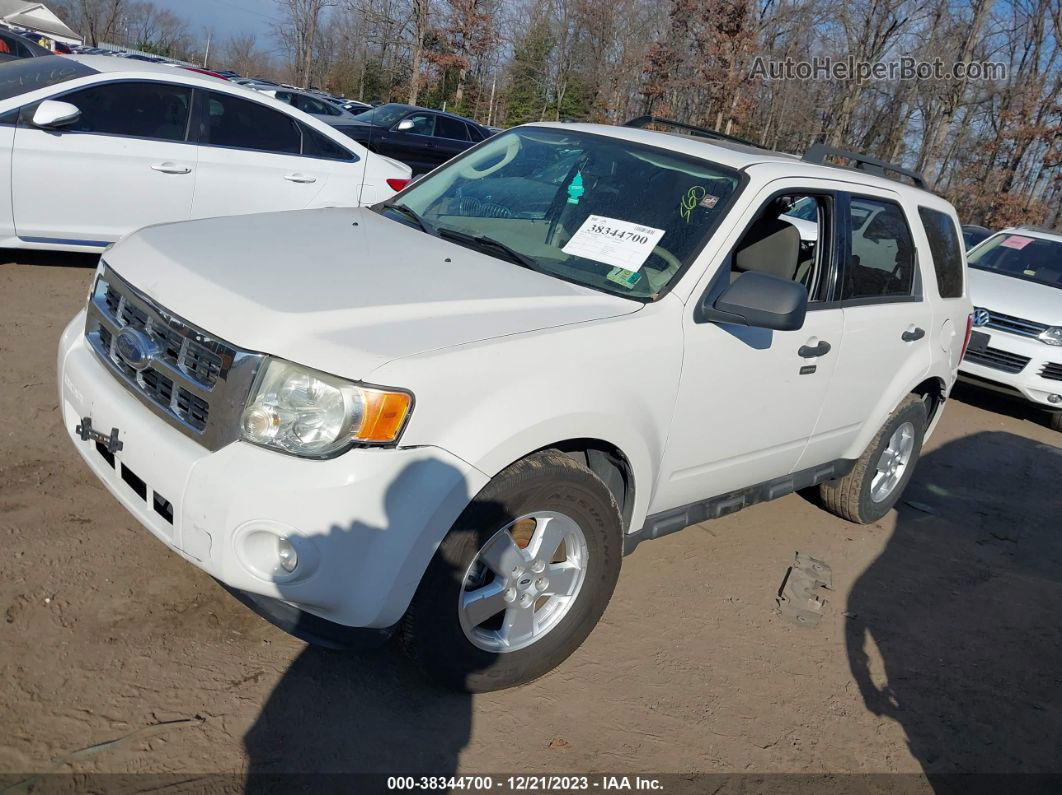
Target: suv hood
x=343 y=290
x=1016 y=297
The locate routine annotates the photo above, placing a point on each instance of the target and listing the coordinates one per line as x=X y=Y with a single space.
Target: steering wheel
x=512 y=147
x=661 y=277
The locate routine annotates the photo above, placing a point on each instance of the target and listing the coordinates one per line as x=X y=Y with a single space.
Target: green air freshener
x=575 y=188
x=625 y=277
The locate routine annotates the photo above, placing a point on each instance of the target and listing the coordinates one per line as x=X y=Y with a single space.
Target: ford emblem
x=981 y=317
x=135 y=348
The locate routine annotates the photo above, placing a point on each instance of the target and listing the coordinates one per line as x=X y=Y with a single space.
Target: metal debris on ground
x=801 y=599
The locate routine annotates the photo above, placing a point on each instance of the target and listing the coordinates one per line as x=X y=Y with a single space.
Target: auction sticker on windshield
x=614 y=242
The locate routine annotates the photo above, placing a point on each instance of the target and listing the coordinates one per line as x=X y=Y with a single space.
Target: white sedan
x=97 y=147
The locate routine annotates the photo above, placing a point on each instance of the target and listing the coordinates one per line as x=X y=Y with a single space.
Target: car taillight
x=969 y=331
x=397 y=184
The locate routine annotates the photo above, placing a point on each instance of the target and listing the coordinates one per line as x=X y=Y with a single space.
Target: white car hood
x=343 y=290
x=1021 y=298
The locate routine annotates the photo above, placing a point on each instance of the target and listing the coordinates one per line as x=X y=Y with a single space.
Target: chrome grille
x=196 y=382
x=1015 y=325
x=998 y=360
x=1052 y=370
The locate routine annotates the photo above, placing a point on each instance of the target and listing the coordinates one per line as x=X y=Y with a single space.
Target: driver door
x=749 y=398
x=124 y=164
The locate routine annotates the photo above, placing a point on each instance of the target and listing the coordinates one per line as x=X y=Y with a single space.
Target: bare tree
x=299 y=32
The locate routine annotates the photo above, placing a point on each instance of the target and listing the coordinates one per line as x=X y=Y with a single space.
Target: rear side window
x=316 y=145
x=139 y=110
x=450 y=128
x=946 y=250
x=243 y=124
x=881 y=261
x=474 y=134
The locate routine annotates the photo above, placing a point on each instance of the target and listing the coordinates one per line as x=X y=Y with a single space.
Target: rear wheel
x=880 y=475
x=520 y=580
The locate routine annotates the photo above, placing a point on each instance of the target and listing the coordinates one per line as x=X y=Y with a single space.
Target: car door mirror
x=405 y=124
x=51 y=114
x=762 y=300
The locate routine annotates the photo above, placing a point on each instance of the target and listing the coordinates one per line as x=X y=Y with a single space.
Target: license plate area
x=978 y=341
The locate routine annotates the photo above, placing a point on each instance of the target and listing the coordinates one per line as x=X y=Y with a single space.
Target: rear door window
x=946 y=249
x=243 y=124
x=314 y=144
x=450 y=128
x=881 y=259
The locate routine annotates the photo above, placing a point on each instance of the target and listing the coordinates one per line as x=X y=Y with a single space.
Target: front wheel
x=520 y=580
x=1054 y=421
x=880 y=475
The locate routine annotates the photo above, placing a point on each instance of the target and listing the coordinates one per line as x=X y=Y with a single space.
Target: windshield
x=384 y=115
x=29 y=74
x=1034 y=259
x=607 y=213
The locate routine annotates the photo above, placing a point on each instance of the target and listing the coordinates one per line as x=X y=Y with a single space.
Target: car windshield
x=1034 y=259
x=29 y=74
x=384 y=115
x=607 y=213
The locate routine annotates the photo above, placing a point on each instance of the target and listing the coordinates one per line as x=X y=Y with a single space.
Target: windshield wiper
x=412 y=214
x=483 y=242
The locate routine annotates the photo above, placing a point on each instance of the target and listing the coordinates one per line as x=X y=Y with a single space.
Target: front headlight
x=309 y=413
x=1052 y=336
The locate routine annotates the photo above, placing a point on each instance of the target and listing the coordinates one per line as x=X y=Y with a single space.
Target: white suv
x=1016 y=344
x=454 y=412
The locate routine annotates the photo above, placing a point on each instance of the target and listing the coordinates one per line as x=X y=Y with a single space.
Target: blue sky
x=227 y=17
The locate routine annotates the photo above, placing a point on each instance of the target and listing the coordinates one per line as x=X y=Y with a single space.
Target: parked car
x=313 y=105
x=349 y=105
x=456 y=414
x=135 y=144
x=14 y=47
x=419 y=137
x=1016 y=345
x=972 y=234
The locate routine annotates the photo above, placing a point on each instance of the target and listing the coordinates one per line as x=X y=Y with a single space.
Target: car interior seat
x=771 y=245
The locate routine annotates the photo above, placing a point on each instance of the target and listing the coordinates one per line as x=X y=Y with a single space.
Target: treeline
x=993 y=146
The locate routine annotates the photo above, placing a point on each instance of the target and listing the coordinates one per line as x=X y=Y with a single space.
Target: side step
x=671 y=521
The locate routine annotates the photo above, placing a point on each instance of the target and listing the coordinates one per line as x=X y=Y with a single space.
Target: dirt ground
x=940 y=650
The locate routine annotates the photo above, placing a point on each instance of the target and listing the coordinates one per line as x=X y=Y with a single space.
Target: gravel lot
x=940 y=650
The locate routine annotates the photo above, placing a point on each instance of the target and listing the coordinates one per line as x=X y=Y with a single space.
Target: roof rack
x=817 y=153
x=641 y=122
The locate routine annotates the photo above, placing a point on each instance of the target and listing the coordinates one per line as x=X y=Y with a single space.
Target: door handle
x=169 y=167
x=912 y=334
x=808 y=352
x=301 y=178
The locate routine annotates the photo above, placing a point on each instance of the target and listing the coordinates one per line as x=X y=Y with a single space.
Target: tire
x=853 y=496
x=1054 y=421
x=445 y=641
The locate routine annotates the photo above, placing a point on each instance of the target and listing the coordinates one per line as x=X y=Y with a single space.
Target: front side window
x=243 y=124
x=607 y=213
x=946 y=249
x=141 y=110
x=881 y=263
x=1035 y=259
x=422 y=124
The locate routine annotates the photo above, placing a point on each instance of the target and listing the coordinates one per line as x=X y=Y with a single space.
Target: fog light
x=1054 y=398
x=287 y=555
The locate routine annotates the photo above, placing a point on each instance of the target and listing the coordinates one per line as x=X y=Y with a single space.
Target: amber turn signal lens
x=385 y=413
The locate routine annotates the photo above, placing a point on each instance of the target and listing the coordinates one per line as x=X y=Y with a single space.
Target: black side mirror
x=757 y=299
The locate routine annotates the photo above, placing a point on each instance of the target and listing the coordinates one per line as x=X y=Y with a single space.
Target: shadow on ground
x=49 y=259
x=999 y=403
x=963 y=606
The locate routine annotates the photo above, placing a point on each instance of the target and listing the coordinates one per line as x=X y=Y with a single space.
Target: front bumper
x=1015 y=364
x=365 y=524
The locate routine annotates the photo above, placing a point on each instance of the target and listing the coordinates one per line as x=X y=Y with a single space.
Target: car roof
x=738 y=156
x=108 y=64
x=1033 y=231
x=431 y=110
